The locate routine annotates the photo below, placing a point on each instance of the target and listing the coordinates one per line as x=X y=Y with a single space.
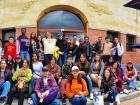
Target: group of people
x=45 y=67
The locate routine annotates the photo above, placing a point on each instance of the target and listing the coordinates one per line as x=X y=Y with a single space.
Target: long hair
x=111 y=75
x=79 y=63
x=118 y=67
x=131 y=68
x=79 y=79
x=100 y=60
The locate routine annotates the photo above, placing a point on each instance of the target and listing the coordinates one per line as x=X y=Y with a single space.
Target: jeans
x=62 y=59
x=78 y=100
x=25 y=55
x=33 y=83
x=36 y=100
x=63 y=87
x=132 y=84
x=5 y=88
x=89 y=83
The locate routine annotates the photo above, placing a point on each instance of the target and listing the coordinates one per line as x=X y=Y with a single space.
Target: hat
x=45 y=69
x=130 y=62
x=74 y=68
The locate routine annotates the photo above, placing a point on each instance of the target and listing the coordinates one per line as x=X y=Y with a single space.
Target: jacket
x=7 y=76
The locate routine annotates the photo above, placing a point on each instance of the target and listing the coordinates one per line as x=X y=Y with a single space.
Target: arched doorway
x=62 y=18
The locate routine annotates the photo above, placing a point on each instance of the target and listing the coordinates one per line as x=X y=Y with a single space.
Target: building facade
x=93 y=18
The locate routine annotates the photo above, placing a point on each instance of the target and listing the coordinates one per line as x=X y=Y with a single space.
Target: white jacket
x=119 y=48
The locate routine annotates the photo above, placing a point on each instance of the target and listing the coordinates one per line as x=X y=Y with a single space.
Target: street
x=135 y=101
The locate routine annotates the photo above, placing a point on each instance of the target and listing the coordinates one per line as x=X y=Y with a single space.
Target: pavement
x=133 y=98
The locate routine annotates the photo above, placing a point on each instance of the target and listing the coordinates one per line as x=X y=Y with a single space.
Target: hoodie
x=10 y=49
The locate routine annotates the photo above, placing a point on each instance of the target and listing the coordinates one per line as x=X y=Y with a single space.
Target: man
x=99 y=45
x=88 y=48
x=46 y=90
x=10 y=48
x=24 y=42
x=5 y=84
x=117 y=50
x=107 y=50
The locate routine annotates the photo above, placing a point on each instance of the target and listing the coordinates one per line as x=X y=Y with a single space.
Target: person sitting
x=76 y=88
x=21 y=77
x=18 y=63
x=97 y=68
x=54 y=69
x=117 y=75
x=10 y=64
x=66 y=70
x=108 y=87
x=5 y=84
x=46 y=89
x=84 y=67
x=130 y=76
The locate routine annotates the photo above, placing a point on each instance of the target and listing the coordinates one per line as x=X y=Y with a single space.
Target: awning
x=133 y=4
x=137 y=45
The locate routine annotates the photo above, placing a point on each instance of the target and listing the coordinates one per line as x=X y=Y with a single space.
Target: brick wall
x=28 y=31
x=134 y=56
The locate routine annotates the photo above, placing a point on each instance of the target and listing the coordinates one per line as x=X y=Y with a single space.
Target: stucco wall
x=101 y=14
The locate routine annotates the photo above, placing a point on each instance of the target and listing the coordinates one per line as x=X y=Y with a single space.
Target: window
x=112 y=35
x=6 y=34
x=130 y=39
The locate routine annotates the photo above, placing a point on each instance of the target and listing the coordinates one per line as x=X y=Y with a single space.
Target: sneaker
x=64 y=101
x=117 y=100
x=2 y=100
x=29 y=99
x=91 y=96
x=126 y=91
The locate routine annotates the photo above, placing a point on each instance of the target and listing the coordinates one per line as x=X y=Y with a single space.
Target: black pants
x=21 y=96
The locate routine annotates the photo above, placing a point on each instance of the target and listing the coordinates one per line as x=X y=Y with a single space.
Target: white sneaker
x=31 y=102
x=126 y=91
x=29 y=99
x=91 y=96
x=118 y=100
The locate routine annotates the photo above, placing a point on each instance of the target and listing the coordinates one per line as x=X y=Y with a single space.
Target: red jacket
x=10 y=49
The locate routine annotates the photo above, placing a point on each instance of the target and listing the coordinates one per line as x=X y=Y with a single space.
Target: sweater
x=17 y=75
x=74 y=88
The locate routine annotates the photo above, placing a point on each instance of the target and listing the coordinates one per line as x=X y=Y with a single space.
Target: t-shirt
x=37 y=68
x=49 y=45
x=24 y=43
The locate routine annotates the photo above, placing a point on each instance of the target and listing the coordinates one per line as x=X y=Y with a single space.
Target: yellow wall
x=101 y=14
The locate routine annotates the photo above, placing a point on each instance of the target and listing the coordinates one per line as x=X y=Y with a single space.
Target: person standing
x=10 y=48
x=99 y=45
x=49 y=45
x=117 y=50
x=62 y=45
x=107 y=50
x=23 y=46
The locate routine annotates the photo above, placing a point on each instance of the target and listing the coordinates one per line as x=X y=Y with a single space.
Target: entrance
x=64 y=19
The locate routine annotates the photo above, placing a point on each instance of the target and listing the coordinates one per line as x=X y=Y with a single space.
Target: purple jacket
x=52 y=85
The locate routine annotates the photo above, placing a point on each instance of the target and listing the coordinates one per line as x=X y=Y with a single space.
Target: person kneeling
x=46 y=89
x=76 y=88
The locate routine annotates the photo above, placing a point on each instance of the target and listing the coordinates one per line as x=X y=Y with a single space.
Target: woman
x=108 y=87
x=84 y=67
x=36 y=67
x=62 y=44
x=76 y=88
x=49 y=45
x=33 y=44
x=21 y=77
x=10 y=64
x=117 y=75
x=54 y=69
x=131 y=75
x=97 y=68
x=40 y=48
x=46 y=90
x=110 y=62
x=72 y=49
x=18 y=63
